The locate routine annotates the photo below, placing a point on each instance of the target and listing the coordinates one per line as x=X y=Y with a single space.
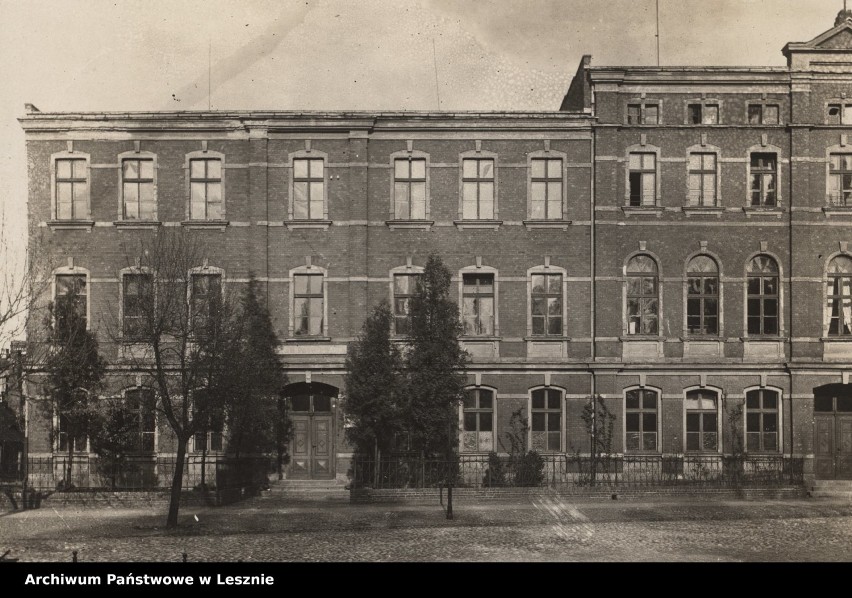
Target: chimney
x=31 y=108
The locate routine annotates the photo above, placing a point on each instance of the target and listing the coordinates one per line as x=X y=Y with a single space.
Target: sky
x=81 y=55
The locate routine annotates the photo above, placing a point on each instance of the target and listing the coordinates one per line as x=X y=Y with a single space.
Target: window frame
x=829 y=152
x=642 y=149
x=192 y=447
x=643 y=104
x=747 y=296
x=548 y=155
x=828 y=277
x=641 y=410
x=201 y=271
x=779 y=161
x=133 y=271
x=479 y=270
x=142 y=432
x=54 y=188
x=479 y=155
x=302 y=271
x=626 y=296
x=133 y=155
x=549 y=270
x=478 y=410
x=407 y=270
x=717 y=195
x=703 y=103
x=204 y=155
x=311 y=154
x=718 y=413
x=841 y=104
x=702 y=296
x=780 y=422
x=763 y=105
x=411 y=156
x=546 y=410
x=57 y=426
x=74 y=271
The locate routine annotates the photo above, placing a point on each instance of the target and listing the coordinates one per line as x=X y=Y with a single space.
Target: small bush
x=495 y=475
x=529 y=469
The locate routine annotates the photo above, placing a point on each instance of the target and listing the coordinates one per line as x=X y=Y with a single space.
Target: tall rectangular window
x=764 y=179
x=478 y=420
x=205 y=189
x=140 y=404
x=546 y=420
x=840 y=179
x=206 y=299
x=478 y=189
x=702 y=179
x=702 y=418
x=640 y=420
x=72 y=425
x=478 y=300
x=72 y=189
x=642 y=175
x=308 y=189
x=138 y=189
x=210 y=436
x=308 y=300
x=763 y=114
x=409 y=188
x=703 y=114
x=839 y=296
x=762 y=420
x=404 y=288
x=546 y=188
x=546 y=304
x=71 y=298
x=138 y=291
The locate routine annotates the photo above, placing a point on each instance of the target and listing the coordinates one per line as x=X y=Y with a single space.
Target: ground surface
x=547 y=528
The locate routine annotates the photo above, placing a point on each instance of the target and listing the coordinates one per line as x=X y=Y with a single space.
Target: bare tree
x=179 y=329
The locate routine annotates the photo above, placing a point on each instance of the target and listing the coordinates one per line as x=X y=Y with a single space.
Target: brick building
x=673 y=239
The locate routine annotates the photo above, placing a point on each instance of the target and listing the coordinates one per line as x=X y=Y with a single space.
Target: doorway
x=833 y=432
x=312 y=442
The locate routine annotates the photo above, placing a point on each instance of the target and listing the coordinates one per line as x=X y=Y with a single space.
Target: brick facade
x=357 y=243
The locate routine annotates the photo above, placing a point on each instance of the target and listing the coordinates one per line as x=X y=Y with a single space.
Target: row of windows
x=707 y=112
x=479 y=295
x=642 y=421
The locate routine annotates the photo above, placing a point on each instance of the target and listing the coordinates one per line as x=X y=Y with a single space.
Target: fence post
x=73 y=556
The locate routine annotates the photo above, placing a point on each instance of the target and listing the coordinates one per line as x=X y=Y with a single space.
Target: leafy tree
x=74 y=369
x=374 y=385
x=435 y=363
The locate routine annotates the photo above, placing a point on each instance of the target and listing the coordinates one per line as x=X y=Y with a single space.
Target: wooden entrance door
x=833 y=435
x=311 y=447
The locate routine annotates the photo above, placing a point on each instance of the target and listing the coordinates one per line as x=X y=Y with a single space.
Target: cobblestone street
x=548 y=528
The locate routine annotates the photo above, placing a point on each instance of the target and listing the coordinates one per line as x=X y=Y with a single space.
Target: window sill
x=836 y=339
x=760 y=210
x=642 y=210
x=764 y=339
x=547 y=339
x=308 y=339
x=414 y=224
x=703 y=210
x=641 y=337
x=829 y=210
x=463 y=224
x=71 y=224
x=317 y=224
x=484 y=339
x=702 y=337
x=201 y=224
x=137 y=224
x=558 y=224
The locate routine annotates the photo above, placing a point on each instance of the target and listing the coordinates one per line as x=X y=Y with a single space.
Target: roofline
x=273 y=114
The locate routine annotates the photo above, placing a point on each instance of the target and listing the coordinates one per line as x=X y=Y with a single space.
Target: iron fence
x=145 y=473
x=616 y=472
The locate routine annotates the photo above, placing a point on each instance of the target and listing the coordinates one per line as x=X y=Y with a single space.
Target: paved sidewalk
x=546 y=528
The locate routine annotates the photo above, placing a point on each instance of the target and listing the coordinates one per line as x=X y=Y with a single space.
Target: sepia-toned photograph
x=423 y=281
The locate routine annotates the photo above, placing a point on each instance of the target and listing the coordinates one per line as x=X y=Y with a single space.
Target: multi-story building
x=672 y=239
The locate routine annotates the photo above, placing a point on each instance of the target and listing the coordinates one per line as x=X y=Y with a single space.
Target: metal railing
x=145 y=473
x=617 y=472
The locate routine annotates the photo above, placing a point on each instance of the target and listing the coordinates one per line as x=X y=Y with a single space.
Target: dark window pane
x=553 y=399
x=753 y=422
x=753 y=441
x=693 y=422
x=470 y=422
x=322 y=403
x=649 y=422
x=632 y=399
x=709 y=422
x=553 y=422
x=844 y=403
x=538 y=399
x=770 y=422
x=753 y=400
x=649 y=400
x=632 y=441
x=692 y=441
x=301 y=403
x=632 y=422
x=485 y=399
x=649 y=441
x=538 y=422
x=823 y=403
x=770 y=400
x=469 y=400
x=770 y=441
x=485 y=422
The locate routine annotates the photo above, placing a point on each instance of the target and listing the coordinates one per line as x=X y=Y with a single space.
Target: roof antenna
x=435 y=62
x=658 y=32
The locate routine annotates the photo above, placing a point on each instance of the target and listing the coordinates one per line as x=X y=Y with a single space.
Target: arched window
x=641 y=420
x=762 y=295
x=643 y=300
x=478 y=420
x=702 y=420
x=839 y=296
x=702 y=301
